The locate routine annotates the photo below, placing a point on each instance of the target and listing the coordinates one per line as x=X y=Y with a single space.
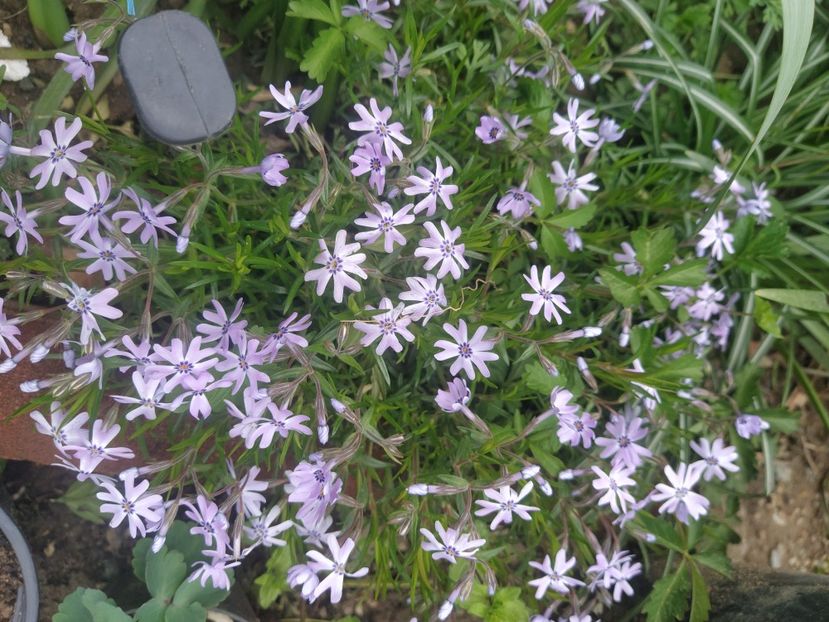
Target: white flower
x=614 y=485
x=335 y=566
x=571 y=187
x=336 y=265
x=678 y=497
x=378 y=130
x=443 y=250
x=505 y=501
x=715 y=235
x=452 y=544
x=427 y=296
x=134 y=504
x=468 y=353
x=715 y=456
x=555 y=577
x=295 y=111
x=388 y=326
x=544 y=296
x=384 y=224
x=431 y=184
x=576 y=126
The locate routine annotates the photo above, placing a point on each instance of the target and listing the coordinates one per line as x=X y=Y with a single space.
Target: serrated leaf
x=368 y=32
x=622 y=287
x=716 y=561
x=325 y=50
x=700 y=602
x=687 y=274
x=538 y=379
x=809 y=300
x=573 y=218
x=664 y=532
x=657 y=300
x=668 y=600
x=165 y=572
x=653 y=249
x=315 y=10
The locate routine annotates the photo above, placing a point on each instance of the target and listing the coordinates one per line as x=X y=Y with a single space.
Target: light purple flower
x=433 y=186
x=426 y=295
x=714 y=235
x=455 y=397
x=609 y=132
x=377 y=128
x=95 y=449
x=62 y=434
x=370 y=10
x=576 y=126
x=221 y=327
x=750 y=425
x=678 y=497
x=516 y=123
x=715 y=456
x=147 y=216
x=286 y=334
x=335 y=566
x=389 y=326
x=210 y=523
x=315 y=486
x=87 y=305
x=576 y=430
x=395 y=67
x=571 y=187
x=543 y=297
x=196 y=389
x=573 y=240
x=539 y=7
x=263 y=531
x=19 y=221
x=613 y=484
x=627 y=260
x=295 y=110
x=215 y=570
x=271 y=169
x=174 y=363
x=505 y=501
x=626 y=571
x=621 y=446
x=80 y=66
x=443 y=250
x=384 y=224
x=251 y=490
x=137 y=353
x=555 y=576
x=59 y=153
x=344 y=259
x=518 y=201
x=452 y=544
x=95 y=205
x=468 y=353
x=490 y=130
x=134 y=504
x=240 y=366
x=108 y=257
x=591 y=9
x=720 y=176
x=316 y=533
x=369 y=158
x=149 y=398
x=758 y=206
x=708 y=302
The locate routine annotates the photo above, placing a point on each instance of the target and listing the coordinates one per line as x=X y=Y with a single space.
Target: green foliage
x=80 y=498
x=668 y=600
x=49 y=20
x=272 y=583
x=506 y=605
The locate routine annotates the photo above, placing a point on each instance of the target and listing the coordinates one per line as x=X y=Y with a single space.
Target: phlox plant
x=465 y=340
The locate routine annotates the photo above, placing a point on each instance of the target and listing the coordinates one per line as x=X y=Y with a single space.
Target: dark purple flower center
x=184 y=367
x=447 y=249
x=624 y=441
x=57 y=154
x=387 y=326
x=319 y=476
x=494 y=132
x=434 y=185
x=465 y=350
x=375 y=165
x=334 y=264
x=386 y=225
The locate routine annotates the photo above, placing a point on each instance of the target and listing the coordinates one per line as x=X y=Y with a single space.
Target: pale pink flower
x=468 y=353
x=196 y=390
x=443 y=250
x=395 y=67
x=95 y=449
x=240 y=366
x=210 y=523
x=108 y=257
x=174 y=363
x=62 y=434
x=389 y=326
x=345 y=259
x=621 y=447
x=576 y=429
x=286 y=334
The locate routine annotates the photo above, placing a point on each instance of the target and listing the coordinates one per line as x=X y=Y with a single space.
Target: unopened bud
x=594 y=79
x=419 y=490
x=322 y=433
x=338 y=406
x=578 y=81
x=530 y=471
x=30 y=386
x=70 y=35
x=544 y=485
x=647 y=44
x=567 y=475
x=182 y=242
x=429 y=114
x=298 y=219
x=592 y=331
x=39 y=353
x=7 y=365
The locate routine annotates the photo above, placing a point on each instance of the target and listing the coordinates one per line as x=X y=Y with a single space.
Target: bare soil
x=10 y=579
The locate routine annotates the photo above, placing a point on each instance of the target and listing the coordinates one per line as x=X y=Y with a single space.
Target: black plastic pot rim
x=26 y=607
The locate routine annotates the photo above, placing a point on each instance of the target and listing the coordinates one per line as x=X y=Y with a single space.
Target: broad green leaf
x=367 y=32
x=573 y=218
x=151 y=611
x=653 y=248
x=49 y=20
x=622 y=287
x=106 y=612
x=668 y=600
x=700 y=602
x=657 y=300
x=766 y=317
x=81 y=499
x=165 y=572
x=315 y=10
x=689 y=273
x=75 y=607
x=810 y=300
x=325 y=50
x=273 y=582
x=189 y=545
x=191 y=613
x=193 y=592
x=538 y=379
x=543 y=190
